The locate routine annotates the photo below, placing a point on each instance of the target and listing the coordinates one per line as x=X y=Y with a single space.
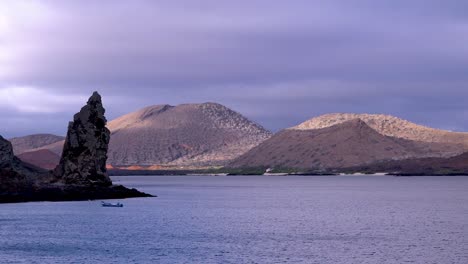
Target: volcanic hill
x=346 y=140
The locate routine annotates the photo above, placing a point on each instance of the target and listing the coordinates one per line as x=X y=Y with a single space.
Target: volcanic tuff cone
x=332 y=144
x=188 y=134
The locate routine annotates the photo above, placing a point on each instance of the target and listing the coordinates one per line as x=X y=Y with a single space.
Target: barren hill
x=188 y=134
x=343 y=144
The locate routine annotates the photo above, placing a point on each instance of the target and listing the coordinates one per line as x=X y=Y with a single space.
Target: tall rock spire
x=84 y=156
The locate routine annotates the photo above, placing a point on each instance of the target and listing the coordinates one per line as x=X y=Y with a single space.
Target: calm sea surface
x=349 y=219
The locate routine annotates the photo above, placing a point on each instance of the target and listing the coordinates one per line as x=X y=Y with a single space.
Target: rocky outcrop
x=15 y=176
x=8 y=161
x=84 y=155
x=81 y=173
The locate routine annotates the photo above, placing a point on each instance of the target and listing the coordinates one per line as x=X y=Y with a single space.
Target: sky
x=278 y=63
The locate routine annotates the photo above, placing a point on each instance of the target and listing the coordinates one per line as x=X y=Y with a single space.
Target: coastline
x=56 y=193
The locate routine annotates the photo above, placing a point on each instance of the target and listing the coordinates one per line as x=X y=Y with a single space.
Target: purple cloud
x=276 y=62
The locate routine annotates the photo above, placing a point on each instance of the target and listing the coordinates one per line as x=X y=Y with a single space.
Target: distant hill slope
x=42 y=158
x=28 y=143
x=389 y=126
x=343 y=144
x=56 y=147
x=188 y=134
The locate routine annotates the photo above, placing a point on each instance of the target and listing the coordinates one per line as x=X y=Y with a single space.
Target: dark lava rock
x=70 y=193
x=84 y=155
x=14 y=174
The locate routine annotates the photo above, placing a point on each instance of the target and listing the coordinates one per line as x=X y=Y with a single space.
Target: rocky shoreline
x=53 y=193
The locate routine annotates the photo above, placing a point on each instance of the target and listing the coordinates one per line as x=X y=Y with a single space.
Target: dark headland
x=81 y=173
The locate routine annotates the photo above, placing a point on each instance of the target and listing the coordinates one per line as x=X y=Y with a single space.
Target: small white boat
x=104 y=204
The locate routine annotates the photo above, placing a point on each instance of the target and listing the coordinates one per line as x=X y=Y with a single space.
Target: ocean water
x=203 y=219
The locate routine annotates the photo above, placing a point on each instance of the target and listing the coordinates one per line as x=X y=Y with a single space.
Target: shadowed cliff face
x=84 y=156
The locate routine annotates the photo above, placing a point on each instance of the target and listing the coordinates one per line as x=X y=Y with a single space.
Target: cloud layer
x=277 y=62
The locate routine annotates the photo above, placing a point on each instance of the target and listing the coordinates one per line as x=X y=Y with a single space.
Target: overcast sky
x=277 y=62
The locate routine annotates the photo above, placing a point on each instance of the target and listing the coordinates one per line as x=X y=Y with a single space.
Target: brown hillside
x=346 y=144
x=188 y=134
